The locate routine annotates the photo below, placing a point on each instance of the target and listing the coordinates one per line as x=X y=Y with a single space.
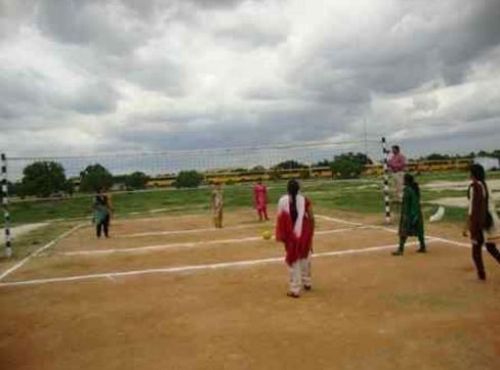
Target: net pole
x=5 y=206
x=387 y=201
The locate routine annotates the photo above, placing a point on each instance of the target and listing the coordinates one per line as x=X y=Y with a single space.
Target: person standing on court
x=102 y=213
x=482 y=222
x=295 y=228
x=260 y=200
x=217 y=205
x=397 y=166
x=411 y=222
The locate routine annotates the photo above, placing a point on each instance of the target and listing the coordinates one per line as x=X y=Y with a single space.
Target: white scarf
x=284 y=206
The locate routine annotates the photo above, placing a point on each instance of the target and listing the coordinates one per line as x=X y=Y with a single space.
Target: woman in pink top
x=397 y=165
x=260 y=200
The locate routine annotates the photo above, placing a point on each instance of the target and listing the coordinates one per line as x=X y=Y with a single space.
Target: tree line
x=48 y=178
x=443 y=157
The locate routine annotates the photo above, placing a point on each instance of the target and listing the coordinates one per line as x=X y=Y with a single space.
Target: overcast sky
x=90 y=76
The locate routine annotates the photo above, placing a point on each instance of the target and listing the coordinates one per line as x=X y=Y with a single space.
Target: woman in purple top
x=397 y=165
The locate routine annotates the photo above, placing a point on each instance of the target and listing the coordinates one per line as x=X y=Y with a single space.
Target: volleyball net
x=313 y=158
x=204 y=160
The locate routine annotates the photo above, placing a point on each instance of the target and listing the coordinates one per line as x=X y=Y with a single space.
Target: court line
x=38 y=251
x=328 y=218
x=190 y=268
x=394 y=231
x=187 y=231
x=438 y=238
x=186 y=244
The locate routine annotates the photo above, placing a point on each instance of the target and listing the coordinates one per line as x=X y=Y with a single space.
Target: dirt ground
x=367 y=310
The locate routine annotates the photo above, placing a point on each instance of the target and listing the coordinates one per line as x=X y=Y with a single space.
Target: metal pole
x=387 y=200
x=5 y=206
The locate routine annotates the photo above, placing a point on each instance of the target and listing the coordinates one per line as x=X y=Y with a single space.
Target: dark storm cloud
x=93 y=98
x=91 y=23
x=420 y=46
x=30 y=94
x=236 y=128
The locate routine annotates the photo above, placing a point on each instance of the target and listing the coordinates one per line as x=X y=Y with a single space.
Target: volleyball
x=266 y=235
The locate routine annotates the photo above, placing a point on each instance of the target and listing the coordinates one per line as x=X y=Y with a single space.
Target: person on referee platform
x=102 y=213
x=397 y=166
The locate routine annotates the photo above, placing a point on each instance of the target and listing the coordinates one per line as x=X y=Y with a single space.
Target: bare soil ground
x=367 y=310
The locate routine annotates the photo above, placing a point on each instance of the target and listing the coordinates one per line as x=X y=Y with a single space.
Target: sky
x=93 y=77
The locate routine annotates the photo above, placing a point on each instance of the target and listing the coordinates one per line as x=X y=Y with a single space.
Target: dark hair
x=478 y=173
x=410 y=181
x=396 y=147
x=101 y=200
x=293 y=188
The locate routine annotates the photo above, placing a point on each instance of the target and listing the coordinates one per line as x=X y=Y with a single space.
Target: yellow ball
x=266 y=235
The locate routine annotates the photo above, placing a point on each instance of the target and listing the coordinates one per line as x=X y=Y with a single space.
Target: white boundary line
x=188 y=231
x=437 y=238
x=148 y=248
x=38 y=251
x=190 y=268
x=340 y=221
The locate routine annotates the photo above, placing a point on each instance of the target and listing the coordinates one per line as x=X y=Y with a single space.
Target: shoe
x=397 y=253
x=292 y=295
x=421 y=250
x=308 y=287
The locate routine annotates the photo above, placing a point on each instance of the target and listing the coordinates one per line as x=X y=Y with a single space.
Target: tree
x=188 y=179
x=290 y=165
x=69 y=187
x=136 y=181
x=95 y=177
x=43 y=179
x=437 y=157
x=323 y=163
x=349 y=165
x=258 y=169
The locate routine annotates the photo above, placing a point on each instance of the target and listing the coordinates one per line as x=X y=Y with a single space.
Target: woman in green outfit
x=411 y=222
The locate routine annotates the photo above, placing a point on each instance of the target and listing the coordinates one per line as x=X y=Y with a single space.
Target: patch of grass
x=360 y=196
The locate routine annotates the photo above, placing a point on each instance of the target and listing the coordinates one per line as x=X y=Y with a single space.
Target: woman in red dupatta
x=295 y=228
